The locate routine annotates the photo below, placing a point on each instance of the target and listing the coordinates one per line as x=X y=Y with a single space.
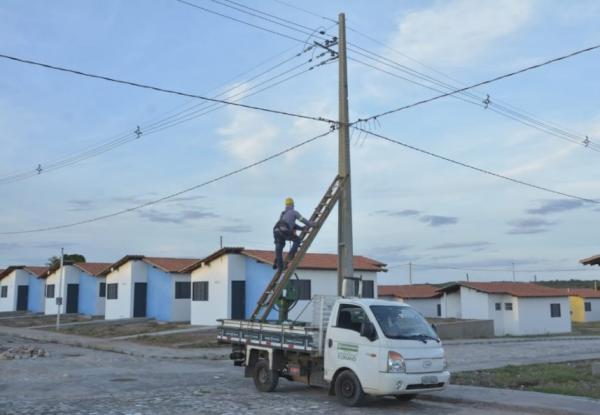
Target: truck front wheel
x=265 y=379
x=348 y=389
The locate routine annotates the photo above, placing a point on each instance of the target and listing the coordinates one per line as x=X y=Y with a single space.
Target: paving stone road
x=81 y=381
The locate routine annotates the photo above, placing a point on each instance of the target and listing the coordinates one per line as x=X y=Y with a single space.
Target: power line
x=165 y=90
x=172 y=195
x=168 y=122
x=504 y=270
x=489 y=81
x=478 y=169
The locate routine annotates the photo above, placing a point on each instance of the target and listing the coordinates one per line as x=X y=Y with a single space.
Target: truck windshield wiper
x=421 y=337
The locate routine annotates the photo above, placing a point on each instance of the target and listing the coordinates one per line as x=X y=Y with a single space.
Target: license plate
x=429 y=380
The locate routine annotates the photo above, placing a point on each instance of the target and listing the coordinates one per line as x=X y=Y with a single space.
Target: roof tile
x=409 y=291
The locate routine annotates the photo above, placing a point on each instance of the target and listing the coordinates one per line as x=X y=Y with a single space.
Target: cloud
x=529 y=226
x=235 y=229
x=393 y=254
x=541 y=163
x=556 y=205
x=458 y=245
x=454 y=33
x=6 y=246
x=80 y=204
x=400 y=213
x=436 y=220
x=183 y=216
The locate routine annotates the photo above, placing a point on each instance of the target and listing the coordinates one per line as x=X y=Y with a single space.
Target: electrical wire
x=504 y=270
x=165 y=90
x=179 y=193
x=478 y=169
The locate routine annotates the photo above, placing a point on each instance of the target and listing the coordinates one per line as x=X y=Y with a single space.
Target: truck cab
x=381 y=347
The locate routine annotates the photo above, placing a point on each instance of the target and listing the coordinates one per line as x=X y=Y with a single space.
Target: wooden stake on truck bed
x=280 y=279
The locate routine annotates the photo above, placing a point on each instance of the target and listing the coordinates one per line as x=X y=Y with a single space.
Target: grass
x=587 y=329
x=117 y=329
x=569 y=378
x=204 y=338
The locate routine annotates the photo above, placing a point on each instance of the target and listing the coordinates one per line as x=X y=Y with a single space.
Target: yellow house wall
x=577 y=310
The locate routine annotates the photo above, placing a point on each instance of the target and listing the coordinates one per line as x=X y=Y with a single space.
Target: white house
x=423 y=297
x=141 y=286
x=21 y=289
x=517 y=308
x=229 y=282
x=83 y=289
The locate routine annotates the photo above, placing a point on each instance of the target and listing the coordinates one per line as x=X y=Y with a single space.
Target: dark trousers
x=280 y=244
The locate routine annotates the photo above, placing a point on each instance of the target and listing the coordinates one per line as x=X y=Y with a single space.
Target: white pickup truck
x=353 y=347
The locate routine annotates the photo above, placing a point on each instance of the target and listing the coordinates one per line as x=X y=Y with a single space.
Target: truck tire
x=265 y=379
x=348 y=389
x=406 y=397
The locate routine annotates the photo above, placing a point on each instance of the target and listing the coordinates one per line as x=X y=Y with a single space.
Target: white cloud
x=453 y=33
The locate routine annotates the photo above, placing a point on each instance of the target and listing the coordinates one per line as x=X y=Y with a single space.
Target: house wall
x=534 y=316
x=594 y=314
x=126 y=275
x=71 y=276
x=180 y=307
x=577 y=308
x=219 y=296
x=160 y=294
x=425 y=306
x=36 y=300
x=12 y=281
x=90 y=302
x=474 y=304
x=505 y=321
x=451 y=305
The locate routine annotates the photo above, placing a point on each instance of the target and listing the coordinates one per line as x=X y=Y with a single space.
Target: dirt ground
x=119 y=328
x=205 y=338
x=34 y=320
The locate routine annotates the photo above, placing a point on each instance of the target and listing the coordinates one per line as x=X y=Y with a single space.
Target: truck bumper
x=406 y=383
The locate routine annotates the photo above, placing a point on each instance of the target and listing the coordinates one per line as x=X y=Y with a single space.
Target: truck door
x=345 y=347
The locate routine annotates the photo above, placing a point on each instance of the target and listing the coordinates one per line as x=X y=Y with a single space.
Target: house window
x=112 y=291
x=182 y=289
x=368 y=289
x=588 y=306
x=498 y=306
x=554 y=310
x=4 y=291
x=439 y=310
x=102 y=292
x=508 y=306
x=200 y=291
x=50 y=291
x=302 y=289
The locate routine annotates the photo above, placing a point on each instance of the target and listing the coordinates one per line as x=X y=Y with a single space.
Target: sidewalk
x=493 y=340
x=536 y=402
x=118 y=346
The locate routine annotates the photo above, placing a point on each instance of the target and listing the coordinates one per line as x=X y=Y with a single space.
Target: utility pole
x=467 y=277
x=221 y=241
x=346 y=281
x=513 y=270
x=410 y=273
x=59 y=298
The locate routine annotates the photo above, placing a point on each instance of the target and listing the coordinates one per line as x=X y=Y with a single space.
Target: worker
x=285 y=230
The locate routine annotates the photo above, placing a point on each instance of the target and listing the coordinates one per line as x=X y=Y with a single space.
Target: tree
x=54 y=261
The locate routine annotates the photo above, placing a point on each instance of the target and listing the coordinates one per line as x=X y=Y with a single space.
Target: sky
x=407 y=207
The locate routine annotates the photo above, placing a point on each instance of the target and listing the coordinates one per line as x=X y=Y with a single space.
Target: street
x=74 y=380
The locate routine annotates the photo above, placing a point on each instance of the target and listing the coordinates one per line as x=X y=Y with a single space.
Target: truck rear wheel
x=265 y=379
x=348 y=389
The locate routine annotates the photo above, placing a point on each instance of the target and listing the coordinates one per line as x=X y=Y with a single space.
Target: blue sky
x=407 y=206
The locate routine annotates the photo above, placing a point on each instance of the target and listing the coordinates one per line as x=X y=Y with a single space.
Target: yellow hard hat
x=289 y=201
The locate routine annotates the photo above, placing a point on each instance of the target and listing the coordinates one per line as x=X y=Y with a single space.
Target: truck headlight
x=395 y=363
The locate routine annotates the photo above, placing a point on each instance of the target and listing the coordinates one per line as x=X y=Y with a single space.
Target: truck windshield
x=403 y=323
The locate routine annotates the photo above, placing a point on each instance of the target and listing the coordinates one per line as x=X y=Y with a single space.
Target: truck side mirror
x=367 y=329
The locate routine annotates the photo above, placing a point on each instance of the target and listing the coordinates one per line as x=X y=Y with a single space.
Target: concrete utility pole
x=410 y=273
x=513 y=270
x=59 y=298
x=346 y=281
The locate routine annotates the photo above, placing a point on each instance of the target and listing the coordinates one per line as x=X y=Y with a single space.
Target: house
x=229 y=282
x=585 y=304
x=423 y=297
x=141 y=286
x=83 y=289
x=517 y=308
x=21 y=289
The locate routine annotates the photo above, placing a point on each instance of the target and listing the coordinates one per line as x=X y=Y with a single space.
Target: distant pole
x=59 y=299
x=221 y=241
x=514 y=274
x=410 y=273
x=535 y=278
x=596 y=285
x=346 y=285
x=467 y=277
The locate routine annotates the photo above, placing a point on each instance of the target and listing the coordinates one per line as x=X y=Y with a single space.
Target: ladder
x=280 y=279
